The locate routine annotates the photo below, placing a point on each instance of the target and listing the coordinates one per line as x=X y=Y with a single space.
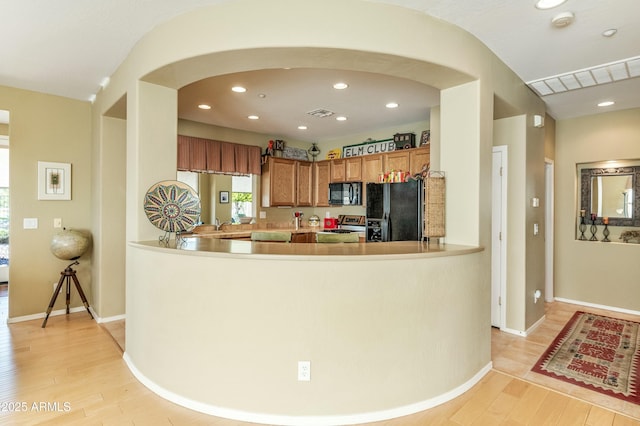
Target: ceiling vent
x=600 y=74
x=321 y=113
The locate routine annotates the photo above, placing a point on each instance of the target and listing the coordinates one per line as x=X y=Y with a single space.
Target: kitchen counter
x=396 y=249
x=389 y=329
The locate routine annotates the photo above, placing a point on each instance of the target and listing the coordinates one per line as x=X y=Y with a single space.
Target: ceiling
x=522 y=36
x=284 y=99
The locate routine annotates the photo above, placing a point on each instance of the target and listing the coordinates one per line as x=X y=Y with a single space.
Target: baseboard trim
x=527 y=331
x=42 y=314
x=514 y=331
x=597 y=306
x=101 y=320
x=63 y=311
x=284 y=420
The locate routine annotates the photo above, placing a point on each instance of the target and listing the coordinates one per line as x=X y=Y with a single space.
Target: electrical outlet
x=57 y=222
x=263 y=215
x=56 y=285
x=304 y=371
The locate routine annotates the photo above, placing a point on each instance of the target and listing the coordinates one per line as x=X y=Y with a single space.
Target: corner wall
x=594 y=272
x=45 y=128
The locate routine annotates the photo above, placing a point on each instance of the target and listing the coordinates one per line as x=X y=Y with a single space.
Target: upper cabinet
x=419 y=158
x=287 y=182
x=407 y=160
x=372 y=167
x=346 y=169
x=321 y=179
x=304 y=184
x=279 y=182
x=397 y=160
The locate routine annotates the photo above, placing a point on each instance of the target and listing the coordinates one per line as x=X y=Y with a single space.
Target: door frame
x=500 y=235
x=549 y=177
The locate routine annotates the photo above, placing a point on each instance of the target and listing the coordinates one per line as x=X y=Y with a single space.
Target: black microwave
x=345 y=194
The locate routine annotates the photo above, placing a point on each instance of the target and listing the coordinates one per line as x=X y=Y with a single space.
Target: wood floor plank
x=528 y=405
x=575 y=413
x=599 y=416
x=550 y=409
x=488 y=390
x=621 y=420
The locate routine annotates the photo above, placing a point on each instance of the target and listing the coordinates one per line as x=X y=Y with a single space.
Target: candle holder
x=593 y=229
x=582 y=227
x=605 y=232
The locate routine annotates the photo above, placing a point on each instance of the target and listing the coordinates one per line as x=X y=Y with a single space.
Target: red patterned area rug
x=598 y=353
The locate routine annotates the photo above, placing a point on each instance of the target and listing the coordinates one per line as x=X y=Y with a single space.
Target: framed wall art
x=54 y=181
x=224 y=197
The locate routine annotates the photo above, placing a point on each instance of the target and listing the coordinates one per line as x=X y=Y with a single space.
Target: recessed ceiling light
x=253 y=117
x=105 y=82
x=341 y=118
x=392 y=105
x=262 y=95
x=609 y=33
x=548 y=4
x=238 y=89
x=204 y=106
x=606 y=103
x=340 y=86
x=563 y=19
x=302 y=127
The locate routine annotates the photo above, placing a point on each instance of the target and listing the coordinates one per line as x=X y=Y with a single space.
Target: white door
x=498 y=236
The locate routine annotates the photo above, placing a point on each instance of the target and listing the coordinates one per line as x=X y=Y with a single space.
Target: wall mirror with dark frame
x=612 y=192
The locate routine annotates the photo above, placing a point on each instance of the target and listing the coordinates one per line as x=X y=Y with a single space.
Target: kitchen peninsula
x=220 y=326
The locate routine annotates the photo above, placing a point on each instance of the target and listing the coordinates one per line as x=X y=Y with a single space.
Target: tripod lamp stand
x=68 y=245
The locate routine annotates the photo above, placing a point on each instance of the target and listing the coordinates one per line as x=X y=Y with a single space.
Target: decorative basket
x=434 y=199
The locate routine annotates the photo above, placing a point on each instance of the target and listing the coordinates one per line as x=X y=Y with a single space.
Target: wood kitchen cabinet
x=321 y=179
x=407 y=160
x=303 y=237
x=346 y=169
x=372 y=166
x=304 y=183
x=419 y=157
x=279 y=182
x=397 y=161
x=287 y=182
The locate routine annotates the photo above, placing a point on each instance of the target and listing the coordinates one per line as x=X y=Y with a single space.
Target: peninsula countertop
x=377 y=250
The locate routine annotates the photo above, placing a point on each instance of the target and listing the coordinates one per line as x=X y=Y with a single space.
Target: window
x=4 y=208
x=241 y=197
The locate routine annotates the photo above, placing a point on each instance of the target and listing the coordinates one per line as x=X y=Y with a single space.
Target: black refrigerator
x=394 y=211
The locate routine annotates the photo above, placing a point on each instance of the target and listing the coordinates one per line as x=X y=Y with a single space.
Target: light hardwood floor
x=516 y=355
x=72 y=373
